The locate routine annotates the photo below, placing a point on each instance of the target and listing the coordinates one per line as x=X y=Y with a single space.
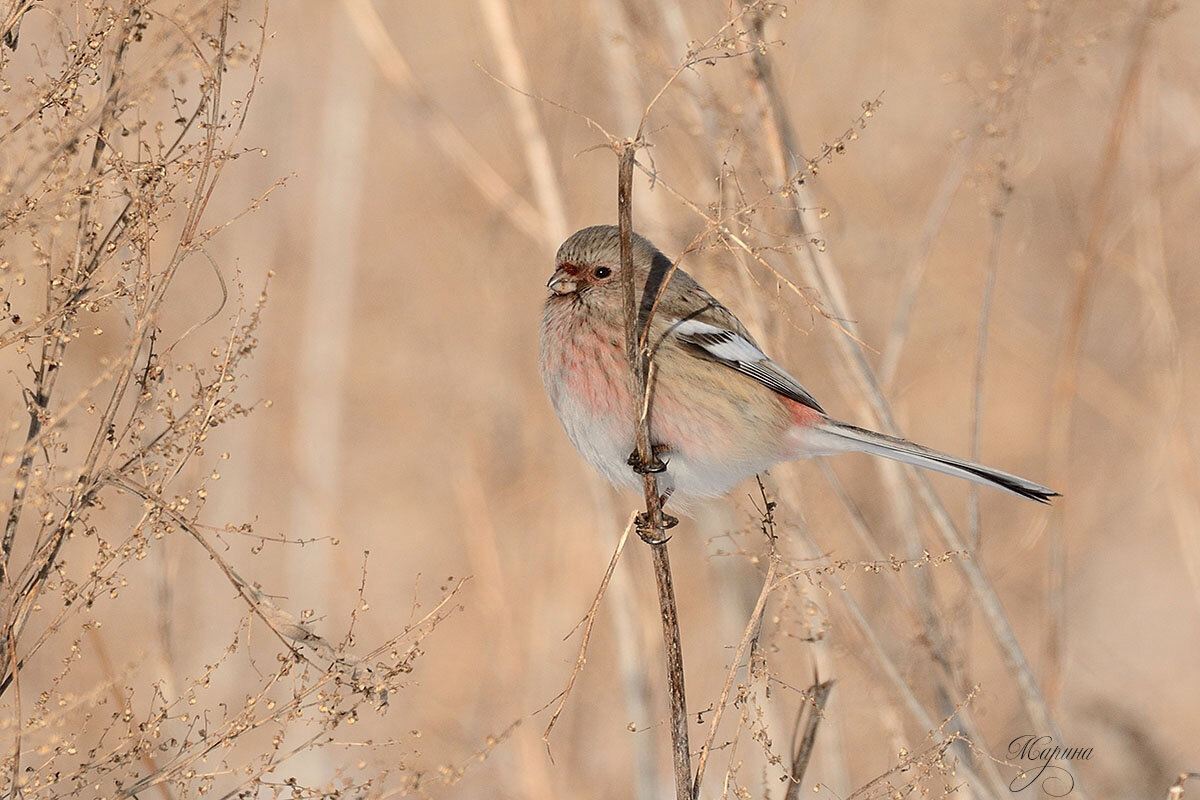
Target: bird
x=721 y=410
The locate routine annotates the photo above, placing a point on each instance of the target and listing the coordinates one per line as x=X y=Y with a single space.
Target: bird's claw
x=650 y=533
x=653 y=466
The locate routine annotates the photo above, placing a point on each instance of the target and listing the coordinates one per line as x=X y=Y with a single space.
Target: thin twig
x=1071 y=348
x=693 y=57
x=53 y=347
x=910 y=284
x=443 y=132
x=903 y=690
x=120 y=702
x=588 y=621
x=748 y=635
x=622 y=57
x=985 y=316
x=15 y=788
x=934 y=753
x=498 y=18
x=1176 y=790
x=680 y=754
x=814 y=705
x=820 y=270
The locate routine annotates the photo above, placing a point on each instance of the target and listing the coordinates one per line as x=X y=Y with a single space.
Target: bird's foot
x=650 y=533
x=654 y=465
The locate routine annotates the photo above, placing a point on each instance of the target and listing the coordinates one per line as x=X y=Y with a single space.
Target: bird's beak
x=562 y=282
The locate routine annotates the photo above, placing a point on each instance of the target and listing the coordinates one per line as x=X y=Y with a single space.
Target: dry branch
x=443 y=132
x=652 y=526
x=820 y=270
x=588 y=621
x=107 y=191
x=498 y=18
x=814 y=707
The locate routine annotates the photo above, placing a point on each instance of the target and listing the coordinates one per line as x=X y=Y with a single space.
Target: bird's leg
x=648 y=532
x=645 y=528
x=655 y=464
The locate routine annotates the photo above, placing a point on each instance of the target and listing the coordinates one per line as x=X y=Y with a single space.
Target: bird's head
x=589 y=263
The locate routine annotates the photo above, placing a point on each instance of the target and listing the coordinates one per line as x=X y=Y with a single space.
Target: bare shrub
x=119 y=121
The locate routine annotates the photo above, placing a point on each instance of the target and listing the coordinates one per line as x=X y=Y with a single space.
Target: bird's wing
x=718 y=335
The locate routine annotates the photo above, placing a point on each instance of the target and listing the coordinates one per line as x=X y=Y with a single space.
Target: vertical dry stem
x=443 y=132
x=652 y=527
x=498 y=18
x=1070 y=351
x=821 y=272
x=750 y=634
x=816 y=698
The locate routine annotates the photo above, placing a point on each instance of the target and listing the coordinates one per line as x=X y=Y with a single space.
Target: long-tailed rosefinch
x=721 y=409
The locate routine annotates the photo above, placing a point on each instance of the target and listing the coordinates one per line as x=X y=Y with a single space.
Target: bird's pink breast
x=589 y=361
x=717 y=426
x=585 y=373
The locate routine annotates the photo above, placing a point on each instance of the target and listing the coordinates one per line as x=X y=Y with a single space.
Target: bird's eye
x=602 y=272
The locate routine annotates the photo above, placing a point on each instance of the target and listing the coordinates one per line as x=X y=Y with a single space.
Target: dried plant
x=113 y=148
x=848 y=632
x=783 y=221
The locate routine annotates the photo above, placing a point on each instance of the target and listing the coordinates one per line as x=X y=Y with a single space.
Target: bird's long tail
x=838 y=437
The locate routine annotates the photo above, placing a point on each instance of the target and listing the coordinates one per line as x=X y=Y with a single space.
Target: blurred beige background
x=400 y=341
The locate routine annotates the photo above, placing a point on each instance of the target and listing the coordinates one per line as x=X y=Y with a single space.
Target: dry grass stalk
x=823 y=275
x=652 y=525
x=748 y=638
x=821 y=271
x=121 y=138
x=1070 y=351
x=587 y=622
x=497 y=16
x=810 y=713
x=443 y=132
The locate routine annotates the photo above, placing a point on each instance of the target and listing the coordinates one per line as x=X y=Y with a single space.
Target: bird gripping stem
x=655 y=528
